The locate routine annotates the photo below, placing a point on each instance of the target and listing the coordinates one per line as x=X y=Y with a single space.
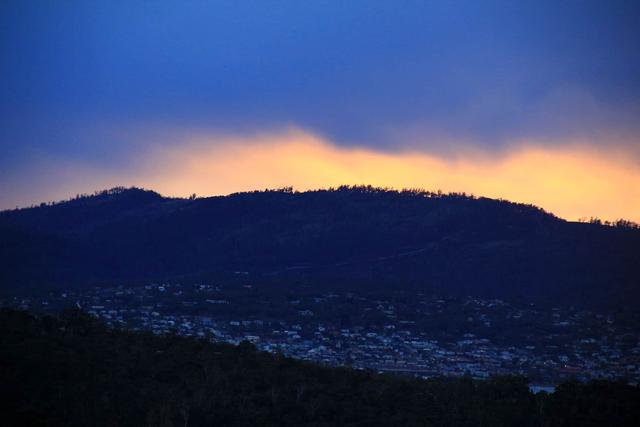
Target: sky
x=532 y=101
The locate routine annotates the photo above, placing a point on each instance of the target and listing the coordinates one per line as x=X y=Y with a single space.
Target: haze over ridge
x=572 y=182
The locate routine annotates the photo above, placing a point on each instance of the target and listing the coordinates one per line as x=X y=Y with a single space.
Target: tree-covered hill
x=73 y=371
x=352 y=235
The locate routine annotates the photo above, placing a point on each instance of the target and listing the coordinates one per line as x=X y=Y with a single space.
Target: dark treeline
x=444 y=243
x=72 y=371
x=138 y=194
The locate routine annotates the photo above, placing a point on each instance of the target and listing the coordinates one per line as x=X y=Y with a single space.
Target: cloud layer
x=536 y=101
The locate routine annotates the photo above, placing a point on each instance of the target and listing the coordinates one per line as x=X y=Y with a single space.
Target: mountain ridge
x=450 y=243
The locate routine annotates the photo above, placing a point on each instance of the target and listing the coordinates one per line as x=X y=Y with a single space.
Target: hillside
x=71 y=371
x=345 y=237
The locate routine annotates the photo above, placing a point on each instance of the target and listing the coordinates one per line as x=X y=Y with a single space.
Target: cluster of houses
x=574 y=343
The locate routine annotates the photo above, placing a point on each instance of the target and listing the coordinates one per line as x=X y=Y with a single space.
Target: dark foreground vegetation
x=72 y=370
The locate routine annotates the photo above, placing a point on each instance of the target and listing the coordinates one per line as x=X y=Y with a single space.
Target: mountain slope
x=373 y=237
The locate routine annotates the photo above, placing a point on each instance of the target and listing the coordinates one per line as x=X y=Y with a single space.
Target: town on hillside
x=407 y=333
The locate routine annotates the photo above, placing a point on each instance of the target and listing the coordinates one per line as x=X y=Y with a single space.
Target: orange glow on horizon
x=572 y=181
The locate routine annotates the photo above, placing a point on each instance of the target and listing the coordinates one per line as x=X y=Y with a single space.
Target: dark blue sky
x=78 y=77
